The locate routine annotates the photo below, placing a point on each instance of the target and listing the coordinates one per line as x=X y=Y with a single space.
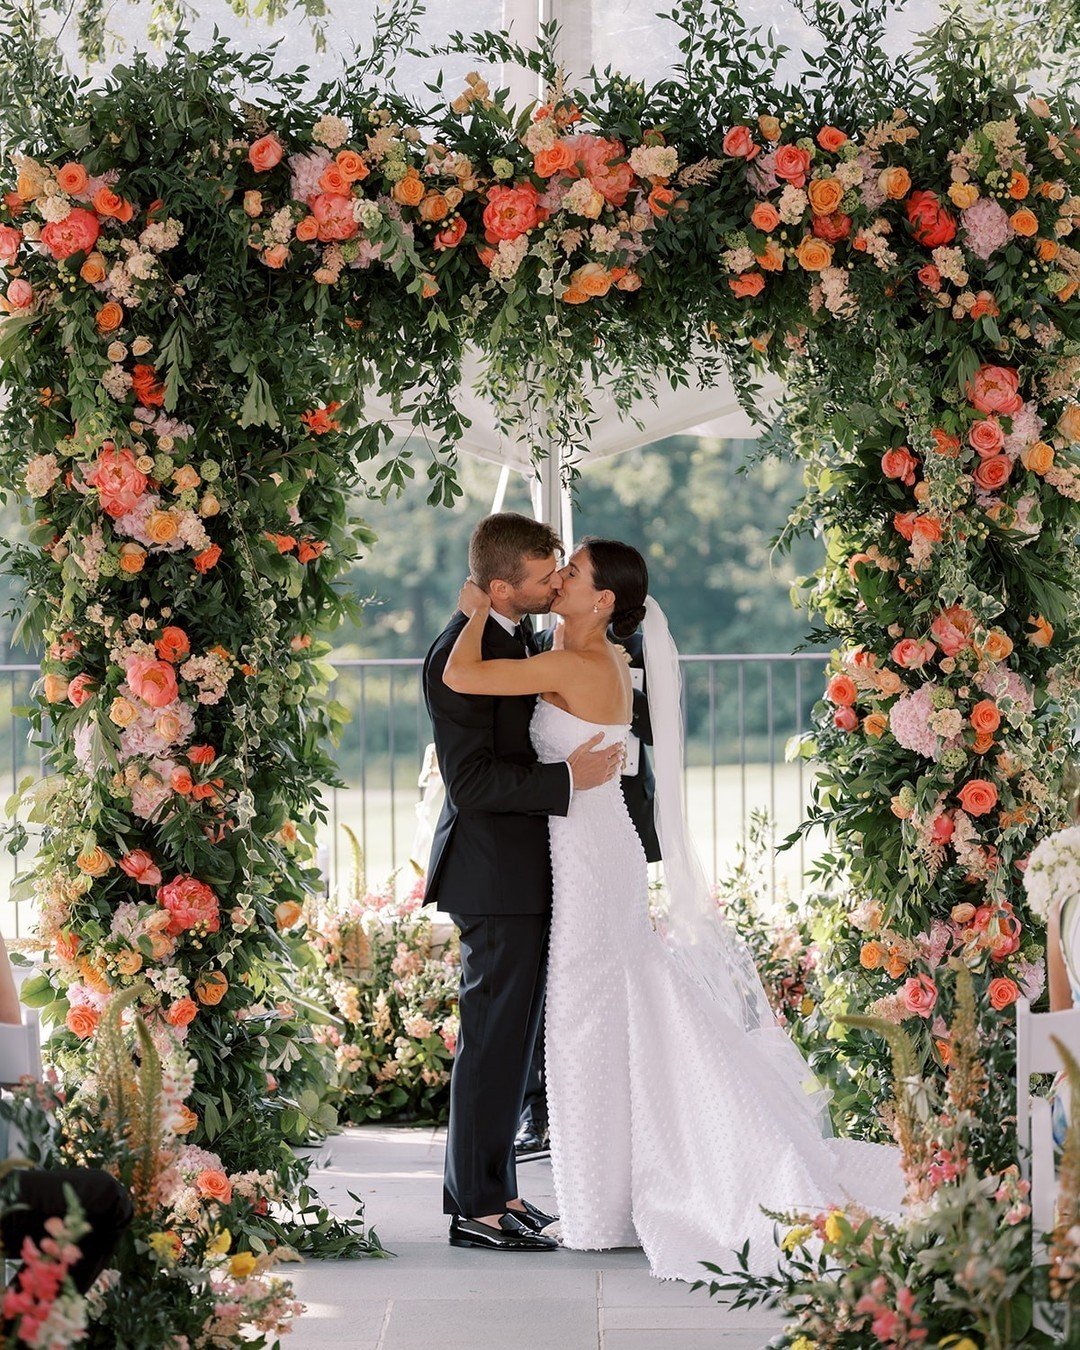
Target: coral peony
x=995 y=389
x=510 y=212
x=151 y=680
x=190 y=904
x=140 y=866
x=76 y=233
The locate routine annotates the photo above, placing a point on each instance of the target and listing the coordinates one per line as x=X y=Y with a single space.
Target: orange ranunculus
x=265 y=153
x=307 y=229
x=129 y=962
x=985 y=715
x=871 y=955
x=813 y=254
x=559 y=158
x=82 y=1020
x=408 y=191
x=162 y=527
x=978 y=796
x=895 y=182
x=825 y=195
x=352 y=166
x=1024 y=222
x=1038 y=458
x=831 y=139
x=747 y=284
x=132 y=558
x=287 y=913
x=93 y=269
x=213 y=1184
x=72 y=178
x=765 y=217
x=211 y=987
x=182 y=1012
x=434 y=207
x=1046 y=250
x=207 y=559
x=660 y=200
x=1019 y=185
x=1041 y=631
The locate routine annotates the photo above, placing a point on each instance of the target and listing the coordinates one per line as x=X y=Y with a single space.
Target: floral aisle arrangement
x=198 y=291
x=392 y=986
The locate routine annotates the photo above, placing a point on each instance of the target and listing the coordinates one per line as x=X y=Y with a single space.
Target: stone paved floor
x=432 y=1296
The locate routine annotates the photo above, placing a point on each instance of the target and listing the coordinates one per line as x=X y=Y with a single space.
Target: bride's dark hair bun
x=620 y=568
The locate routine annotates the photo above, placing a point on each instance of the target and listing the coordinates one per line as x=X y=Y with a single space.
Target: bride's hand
x=473 y=600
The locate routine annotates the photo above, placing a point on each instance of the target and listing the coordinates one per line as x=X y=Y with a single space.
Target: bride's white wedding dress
x=670 y=1126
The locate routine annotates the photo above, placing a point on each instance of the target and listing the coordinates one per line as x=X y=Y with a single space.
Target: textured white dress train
x=669 y=1128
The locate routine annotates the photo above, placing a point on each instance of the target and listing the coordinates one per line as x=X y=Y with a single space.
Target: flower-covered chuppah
x=199 y=289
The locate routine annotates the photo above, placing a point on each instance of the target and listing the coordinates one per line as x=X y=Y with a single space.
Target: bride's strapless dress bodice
x=666 y=1130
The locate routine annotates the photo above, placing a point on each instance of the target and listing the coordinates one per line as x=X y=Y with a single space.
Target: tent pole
x=500 y=491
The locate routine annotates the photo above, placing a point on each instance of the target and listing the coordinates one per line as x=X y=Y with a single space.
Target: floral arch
x=202 y=289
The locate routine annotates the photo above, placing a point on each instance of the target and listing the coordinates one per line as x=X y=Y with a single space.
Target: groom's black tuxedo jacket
x=490 y=854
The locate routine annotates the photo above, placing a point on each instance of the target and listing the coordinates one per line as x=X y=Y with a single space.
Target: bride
x=678 y=1107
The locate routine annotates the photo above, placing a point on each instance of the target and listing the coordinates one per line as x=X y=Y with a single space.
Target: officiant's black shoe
x=531 y=1142
x=534 y=1218
x=511 y=1235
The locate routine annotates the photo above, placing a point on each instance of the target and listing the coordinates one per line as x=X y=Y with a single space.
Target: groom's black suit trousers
x=503 y=969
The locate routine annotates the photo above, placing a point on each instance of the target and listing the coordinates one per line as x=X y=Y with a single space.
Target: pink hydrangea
x=986 y=227
x=1027 y=428
x=306 y=172
x=1000 y=682
x=909 y=722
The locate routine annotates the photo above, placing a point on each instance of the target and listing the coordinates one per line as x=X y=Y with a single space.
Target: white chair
x=1036 y=1053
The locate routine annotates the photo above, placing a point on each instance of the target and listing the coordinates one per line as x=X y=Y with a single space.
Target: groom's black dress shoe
x=534 y=1218
x=511 y=1235
x=531 y=1143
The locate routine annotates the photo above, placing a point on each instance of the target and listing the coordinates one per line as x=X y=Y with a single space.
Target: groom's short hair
x=502 y=544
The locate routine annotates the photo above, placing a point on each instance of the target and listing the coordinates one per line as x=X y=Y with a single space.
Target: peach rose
x=265 y=153
x=889 y=683
x=772 y=260
x=895 y=183
x=747 y=284
x=307 y=229
x=998 y=645
x=72 y=178
x=213 y=1184
x=434 y=207
x=1038 y=458
x=875 y=725
x=1019 y=185
x=992 y=474
x=56 y=688
x=792 y=164
x=162 y=527
x=186 y=478
x=151 y=680
x=825 y=195
x=93 y=269
x=842 y=690
x=66 y=946
x=1069 y=423
x=168 y=726
x=182 y=1012
x=1002 y=991
x=122 y=712
x=129 y=962
x=912 y=654
x=132 y=559
x=900 y=464
x=557 y=159
x=95 y=862
x=76 y=233
x=276 y=256
x=287 y=913
x=1024 y=222
x=831 y=139
x=211 y=987
x=919 y=995
x=995 y=389
x=985 y=716
x=986 y=436
x=963 y=195
x=109 y=317
x=1046 y=250
x=814 y=254
x=765 y=217
x=592 y=278
x=408 y=191
x=871 y=955
x=82 y=1021
x=352 y=166
x=1041 y=632
x=739 y=143
x=140 y=866
x=978 y=796
x=769 y=127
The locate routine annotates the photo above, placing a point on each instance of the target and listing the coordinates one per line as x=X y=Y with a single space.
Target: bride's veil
x=706 y=946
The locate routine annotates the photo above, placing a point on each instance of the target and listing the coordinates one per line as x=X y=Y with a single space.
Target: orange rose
x=747 y=284
x=772 y=260
x=93 y=976
x=93 y=269
x=94 y=863
x=842 y=691
x=558 y=159
x=1019 y=185
x=872 y=955
x=813 y=254
x=109 y=317
x=944 y=444
x=825 y=195
x=765 y=217
x=207 y=559
x=1024 y=222
x=978 y=796
x=895 y=182
x=985 y=716
x=1002 y=991
x=265 y=153
x=181 y=781
x=660 y=200
x=83 y=1021
x=408 y=191
x=287 y=913
x=1047 y=250
x=132 y=559
x=895 y=963
x=1067 y=291
x=211 y=987
x=998 y=645
x=307 y=229
x=984 y=740
x=574 y=295
x=72 y=178
x=213 y=1184
x=1038 y=458
x=831 y=139
x=333 y=180
x=592 y=278
x=107 y=203
x=434 y=207
x=56 y=688
x=1042 y=631
x=182 y=1012
x=162 y=527
x=875 y=725
x=352 y=166
x=276 y=256
x=1069 y=423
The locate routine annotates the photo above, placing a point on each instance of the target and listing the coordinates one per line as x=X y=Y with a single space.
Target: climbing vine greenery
x=209 y=267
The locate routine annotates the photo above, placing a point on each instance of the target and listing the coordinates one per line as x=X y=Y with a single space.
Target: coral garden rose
x=173 y=644
x=995 y=389
x=202 y=754
x=119 y=481
x=211 y=987
x=207 y=559
x=833 y=228
x=919 y=995
x=912 y=654
x=747 y=284
x=190 y=903
x=511 y=212
x=825 y=195
x=986 y=436
x=152 y=680
x=162 y=527
x=76 y=233
x=112 y=206
x=307 y=229
x=451 y=235
x=831 y=139
x=556 y=159
x=1002 y=992
x=931 y=224
x=978 y=796
x=842 y=691
x=82 y=1021
x=739 y=143
x=265 y=153
x=992 y=474
x=213 y=1184
x=900 y=464
x=333 y=212
x=140 y=866
x=792 y=164
x=765 y=217
x=985 y=715
x=146 y=386
x=846 y=719
x=181 y=1013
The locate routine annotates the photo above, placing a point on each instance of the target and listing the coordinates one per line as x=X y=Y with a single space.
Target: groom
x=490 y=870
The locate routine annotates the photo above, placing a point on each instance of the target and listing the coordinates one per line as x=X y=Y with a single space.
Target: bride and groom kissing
x=677 y=1106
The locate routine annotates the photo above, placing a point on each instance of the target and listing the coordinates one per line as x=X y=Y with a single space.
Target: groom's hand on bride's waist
x=590 y=768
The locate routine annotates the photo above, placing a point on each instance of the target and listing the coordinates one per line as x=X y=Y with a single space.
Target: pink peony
x=995 y=389
x=151 y=680
x=593 y=156
x=511 y=212
x=952 y=629
x=334 y=212
x=119 y=483
x=76 y=233
x=919 y=994
x=190 y=904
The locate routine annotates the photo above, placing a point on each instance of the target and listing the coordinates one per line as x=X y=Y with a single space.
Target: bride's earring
x=596 y=609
